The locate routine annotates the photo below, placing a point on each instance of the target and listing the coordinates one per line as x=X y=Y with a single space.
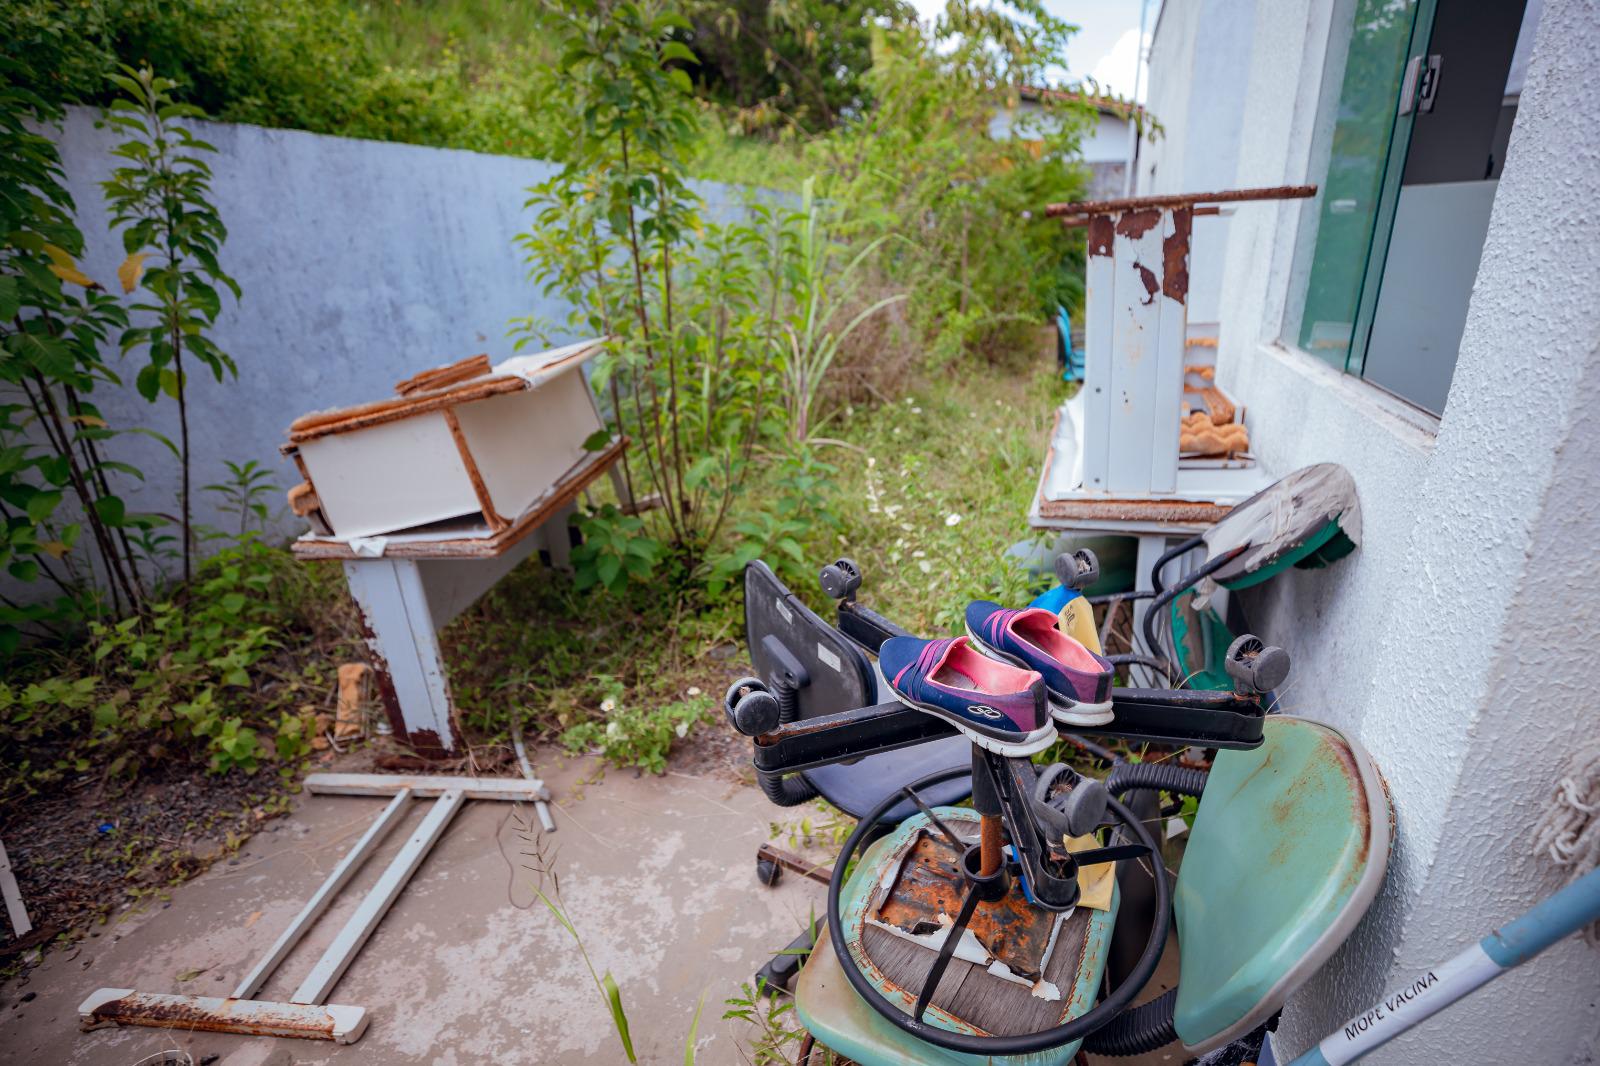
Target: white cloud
x=1114 y=71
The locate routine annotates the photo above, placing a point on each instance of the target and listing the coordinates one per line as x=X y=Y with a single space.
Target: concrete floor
x=657 y=874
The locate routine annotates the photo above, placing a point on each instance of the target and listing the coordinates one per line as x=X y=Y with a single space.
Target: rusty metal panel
x=212 y=1014
x=1172 y=332
x=922 y=899
x=1135 y=359
x=1138 y=203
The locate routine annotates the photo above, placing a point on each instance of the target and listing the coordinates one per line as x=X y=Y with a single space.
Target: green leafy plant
x=979 y=265
x=773 y=1020
x=634 y=735
x=245 y=493
x=795 y=509
x=809 y=341
x=689 y=304
x=55 y=480
x=206 y=674
x=172 y=234
x=616 y=548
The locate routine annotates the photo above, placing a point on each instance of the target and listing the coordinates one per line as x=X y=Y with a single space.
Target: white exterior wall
x=1198 y=43
x=1104 y=141
x=1455 y=642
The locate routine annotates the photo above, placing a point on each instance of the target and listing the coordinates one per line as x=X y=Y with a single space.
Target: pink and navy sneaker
x=1079 y=681
x=998 y=706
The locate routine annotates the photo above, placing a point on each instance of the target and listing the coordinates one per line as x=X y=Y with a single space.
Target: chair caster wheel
x=1254 y=666
x=841 y=578
x=768 y=872
x=1077 y=570
x=751 y=709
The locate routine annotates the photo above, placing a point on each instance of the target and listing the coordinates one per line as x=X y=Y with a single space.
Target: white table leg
x=399 y=626
x=557 y=540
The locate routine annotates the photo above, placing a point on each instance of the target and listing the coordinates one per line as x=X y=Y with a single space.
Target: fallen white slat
x=20 y=923
x=334 y=961
x=425 y=786
x=342 y=873
x=124 y=1006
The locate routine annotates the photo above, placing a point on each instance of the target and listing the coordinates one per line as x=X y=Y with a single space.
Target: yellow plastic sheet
x=1094 y=882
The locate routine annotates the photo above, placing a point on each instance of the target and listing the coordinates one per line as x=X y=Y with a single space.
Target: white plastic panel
x=523 y=442
x=390 y=476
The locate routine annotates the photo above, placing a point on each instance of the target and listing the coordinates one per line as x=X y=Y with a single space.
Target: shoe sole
x=1030 y=744
x=1062 y=709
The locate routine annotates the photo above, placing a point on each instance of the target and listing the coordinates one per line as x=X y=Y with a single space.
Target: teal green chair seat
x=1289 y=846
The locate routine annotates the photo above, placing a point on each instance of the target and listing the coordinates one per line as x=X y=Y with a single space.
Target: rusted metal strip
x=310 y=427
x=1187 y=199
x=479 y=488
x=1077 y=221
x=565 y=490
x=789 y=861
x=212 y=1014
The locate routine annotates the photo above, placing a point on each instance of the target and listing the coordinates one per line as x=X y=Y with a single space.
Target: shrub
x=638 y=736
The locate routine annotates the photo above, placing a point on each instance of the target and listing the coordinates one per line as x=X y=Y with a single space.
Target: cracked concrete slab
x=656 y=874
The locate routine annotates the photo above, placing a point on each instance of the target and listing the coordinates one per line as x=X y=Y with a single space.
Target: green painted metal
x=1327 y=544
x=1201 y=640
x=843 y=1022
x=1280 y=865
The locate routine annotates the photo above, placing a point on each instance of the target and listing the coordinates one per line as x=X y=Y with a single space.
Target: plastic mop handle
x=1547 y=922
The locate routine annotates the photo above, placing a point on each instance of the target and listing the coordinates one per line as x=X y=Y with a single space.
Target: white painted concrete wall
x=1199 y=44
x=1454 y=642
x=361 y=262
x=1104 y=141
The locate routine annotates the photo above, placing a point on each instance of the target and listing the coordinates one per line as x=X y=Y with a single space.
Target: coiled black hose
x=793 y=790
x=1127 y=776
x=1135 y=1032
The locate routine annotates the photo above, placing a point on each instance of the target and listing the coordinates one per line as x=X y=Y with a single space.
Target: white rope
x=1569 y=830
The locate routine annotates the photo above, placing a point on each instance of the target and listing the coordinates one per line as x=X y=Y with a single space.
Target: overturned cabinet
x=430 y=496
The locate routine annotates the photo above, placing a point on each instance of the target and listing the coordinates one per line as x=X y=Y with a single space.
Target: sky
x=1105 y=46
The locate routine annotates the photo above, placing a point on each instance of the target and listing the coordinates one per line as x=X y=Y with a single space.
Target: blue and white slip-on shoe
x=1079 y=681
x=1001 y=708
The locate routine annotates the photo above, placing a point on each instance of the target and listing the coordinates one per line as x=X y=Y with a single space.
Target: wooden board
x=969 y=992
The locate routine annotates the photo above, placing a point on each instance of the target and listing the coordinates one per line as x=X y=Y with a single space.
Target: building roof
x=1106 y=105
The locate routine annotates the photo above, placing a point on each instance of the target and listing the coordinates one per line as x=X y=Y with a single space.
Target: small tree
x=54 y=480
x=690 y=304
x=172 y=234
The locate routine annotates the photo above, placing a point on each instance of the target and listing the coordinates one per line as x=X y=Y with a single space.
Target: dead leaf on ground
x=254 y=915
x=190 y=975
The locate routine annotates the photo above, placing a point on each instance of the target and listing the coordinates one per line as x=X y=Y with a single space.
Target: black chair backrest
x=792 y=647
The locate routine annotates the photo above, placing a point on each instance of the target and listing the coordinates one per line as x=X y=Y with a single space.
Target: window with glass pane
x=1351 y=194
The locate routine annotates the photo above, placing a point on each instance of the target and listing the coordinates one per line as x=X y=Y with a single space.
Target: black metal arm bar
x=1164 y=716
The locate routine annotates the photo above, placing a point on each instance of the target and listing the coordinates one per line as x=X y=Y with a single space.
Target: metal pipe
x=324 y=896
x=315 y=988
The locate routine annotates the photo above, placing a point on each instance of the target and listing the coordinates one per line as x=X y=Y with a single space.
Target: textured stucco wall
x=361 y=263
x=1453 y=643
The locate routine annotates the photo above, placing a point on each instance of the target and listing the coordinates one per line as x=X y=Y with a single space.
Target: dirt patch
x=83 y=850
